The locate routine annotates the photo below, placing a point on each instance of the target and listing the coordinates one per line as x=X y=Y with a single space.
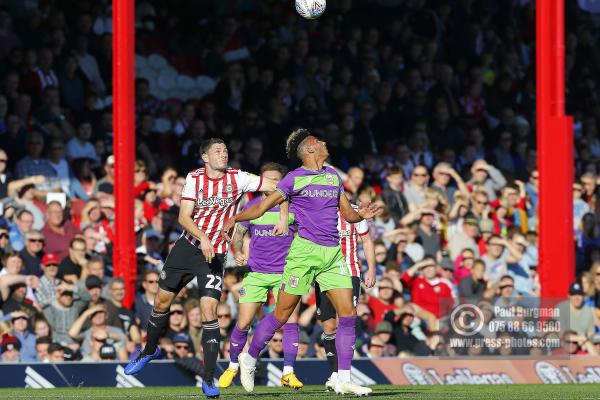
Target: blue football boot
x=211 y=392
x=139 y=360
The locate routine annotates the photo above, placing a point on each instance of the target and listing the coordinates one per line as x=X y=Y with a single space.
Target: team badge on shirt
x=329 y=179
x=229 y=188
x=163 y=274
x=242 y=292
x=294 y=281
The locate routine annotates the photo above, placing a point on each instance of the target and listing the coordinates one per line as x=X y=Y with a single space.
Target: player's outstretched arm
x=268 y=185
x=253 y=212
x=185 y=219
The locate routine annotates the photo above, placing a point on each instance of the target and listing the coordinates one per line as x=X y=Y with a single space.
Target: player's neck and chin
x=215 y=173
x=313 y=163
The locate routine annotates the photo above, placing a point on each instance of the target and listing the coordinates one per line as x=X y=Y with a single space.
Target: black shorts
x=185 y=262
x=325 y=309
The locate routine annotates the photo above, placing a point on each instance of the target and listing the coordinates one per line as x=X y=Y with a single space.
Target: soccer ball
x=310 y=9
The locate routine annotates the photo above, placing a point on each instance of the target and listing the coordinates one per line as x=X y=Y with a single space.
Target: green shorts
x=256 y=285
x=307 y=262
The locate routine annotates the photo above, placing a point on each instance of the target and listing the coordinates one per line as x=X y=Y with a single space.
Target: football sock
x=210 y=343
x=157 y=325
x=264 y=332
x=291 y=333
x=237 y=343
x=329 y=344
x=344 y=345
x=343 y=376
x=287 y=369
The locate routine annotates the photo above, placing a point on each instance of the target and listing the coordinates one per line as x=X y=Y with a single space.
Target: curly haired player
x=265 y=256
x=315 y=194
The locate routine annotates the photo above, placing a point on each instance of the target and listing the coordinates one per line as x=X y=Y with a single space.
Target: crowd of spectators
x=427 y=107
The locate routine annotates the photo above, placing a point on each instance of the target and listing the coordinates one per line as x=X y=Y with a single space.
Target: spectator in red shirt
x=93 y=216
x=486 y=229
x=140 y=180
x=58 y=232
x=384 y=302
x=427 y=290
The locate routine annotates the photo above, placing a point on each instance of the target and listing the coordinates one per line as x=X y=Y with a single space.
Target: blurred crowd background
x=427 y=106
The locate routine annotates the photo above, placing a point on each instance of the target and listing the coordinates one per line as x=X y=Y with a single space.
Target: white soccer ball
x=310 y=9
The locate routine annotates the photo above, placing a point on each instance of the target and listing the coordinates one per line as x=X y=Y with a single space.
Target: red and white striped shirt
x=349 y=242
x=216 y=200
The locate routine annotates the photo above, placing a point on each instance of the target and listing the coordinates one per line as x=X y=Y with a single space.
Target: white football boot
x=351 y=388
x=246 y=373
x=330 y=384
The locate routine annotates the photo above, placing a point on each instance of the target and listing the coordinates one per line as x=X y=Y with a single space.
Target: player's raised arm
x=365 y=211
x=185 y=219
x=252 y=212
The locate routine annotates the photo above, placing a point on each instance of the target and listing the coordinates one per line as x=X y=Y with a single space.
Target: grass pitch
x=491 y=392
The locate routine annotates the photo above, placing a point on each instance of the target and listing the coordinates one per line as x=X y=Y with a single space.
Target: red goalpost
x=555 y=154
x=124 y=258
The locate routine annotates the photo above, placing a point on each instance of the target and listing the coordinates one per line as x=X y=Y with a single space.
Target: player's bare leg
x=344 y=342
x=286 y=303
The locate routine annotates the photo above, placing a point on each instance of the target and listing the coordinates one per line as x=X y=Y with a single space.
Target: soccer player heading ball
x=266 y=259
x=210 y=195
x=315 y=194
